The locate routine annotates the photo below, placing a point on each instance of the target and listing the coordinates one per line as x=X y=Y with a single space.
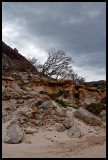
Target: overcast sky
x=78 y=28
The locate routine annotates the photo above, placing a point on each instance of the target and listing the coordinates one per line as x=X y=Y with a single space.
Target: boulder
x=87 y=117
x=30 y=130
x=102 y=115
x=66 y=123
x=47 y=104
x=14 y=134
x=63 y=112
x=74 y=132
x=60 y=127
x=25 y=110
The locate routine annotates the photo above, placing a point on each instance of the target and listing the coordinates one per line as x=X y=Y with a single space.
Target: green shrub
x=75 y=107
x=59 y=93
x=60 y=101
x=96 y=108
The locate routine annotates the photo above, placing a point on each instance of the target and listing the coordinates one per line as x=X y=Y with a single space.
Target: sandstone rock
x=102 y=115
x=14 y=134
x=60 y=127
x=20 y=101
x=7 y=108
x=47 y=104
x=50 y=128
x=66 y=123
x=39 y=111
x=29 y=115
x=87 y=117
x=4 y=114
x=88 y=99
x=37 y=122
x=74 y=132
x=30 y=130
x=13 y=101
x=38 y=117
x=25 y=109
x=63 y=112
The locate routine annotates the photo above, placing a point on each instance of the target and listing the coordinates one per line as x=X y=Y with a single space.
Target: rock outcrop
x=87 y=117
x=12 y=60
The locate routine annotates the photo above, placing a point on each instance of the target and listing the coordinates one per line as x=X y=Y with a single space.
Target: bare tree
x=58 y=65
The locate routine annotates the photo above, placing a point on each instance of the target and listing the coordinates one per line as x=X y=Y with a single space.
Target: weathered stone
x=39 y=111
x=30 y=130
x=20 y=101
x=47 y=104
x=14 y=134
x=102 y=115
x=63 y=112
x=87 y=117
x=29 y=114
x=7 y=108
x=60 y=127
x=25 y=109
x=38 y=117
x=66 y=123
x=4 y=114
x=50 y=129
x=88 y=99
x=74 y=132
x=37 y=122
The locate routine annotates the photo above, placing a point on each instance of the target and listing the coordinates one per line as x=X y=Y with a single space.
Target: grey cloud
x=79 y=28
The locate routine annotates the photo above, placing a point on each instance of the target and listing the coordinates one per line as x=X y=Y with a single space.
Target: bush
x=75 y=107
x=96 y=108
x=59 y=93
x=60 y=101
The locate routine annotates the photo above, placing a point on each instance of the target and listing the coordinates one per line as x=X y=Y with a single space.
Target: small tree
x=58 y=65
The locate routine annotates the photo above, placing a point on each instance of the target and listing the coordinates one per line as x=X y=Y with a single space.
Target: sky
x=77 y=28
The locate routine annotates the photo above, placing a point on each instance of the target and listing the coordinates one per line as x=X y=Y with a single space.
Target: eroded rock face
x=87 y=117
x=14 y=134
x=88 y=99
x=74 y=132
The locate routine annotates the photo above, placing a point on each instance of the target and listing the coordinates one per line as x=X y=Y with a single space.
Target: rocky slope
x=33 y=105
x=12 y=60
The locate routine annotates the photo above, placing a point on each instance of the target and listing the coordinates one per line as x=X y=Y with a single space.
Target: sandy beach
x=48 y=143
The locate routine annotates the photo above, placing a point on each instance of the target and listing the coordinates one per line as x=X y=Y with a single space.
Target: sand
x=53 y=144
